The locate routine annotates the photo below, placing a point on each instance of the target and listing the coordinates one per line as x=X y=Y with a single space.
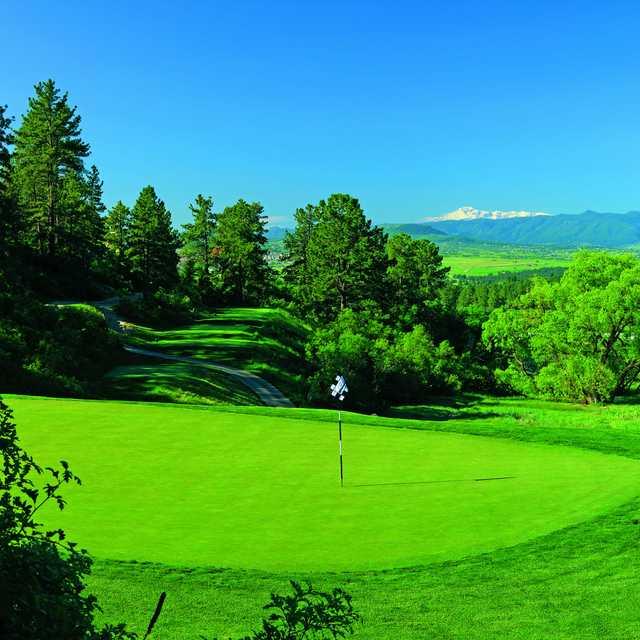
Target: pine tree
x=95 y=184
x=346 y=257
x=48 y=147
x=81 y=229
x=152 y=243
x=6 y=205
x=241 y=256
x=117 y=232
x=198 y=242
x=296 y=255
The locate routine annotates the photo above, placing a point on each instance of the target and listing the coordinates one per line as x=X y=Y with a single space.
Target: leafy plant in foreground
x=307 y=613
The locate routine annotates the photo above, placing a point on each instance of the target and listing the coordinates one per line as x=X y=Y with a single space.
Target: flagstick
x=340 y=439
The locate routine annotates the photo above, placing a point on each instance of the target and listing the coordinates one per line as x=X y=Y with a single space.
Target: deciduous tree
x=577 y=339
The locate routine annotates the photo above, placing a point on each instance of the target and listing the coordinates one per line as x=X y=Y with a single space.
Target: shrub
x=162 y=308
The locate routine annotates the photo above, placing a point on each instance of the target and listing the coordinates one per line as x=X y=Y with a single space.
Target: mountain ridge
x=471 y=213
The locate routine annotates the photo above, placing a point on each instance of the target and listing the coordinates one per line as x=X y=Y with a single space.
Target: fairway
x=201 y=487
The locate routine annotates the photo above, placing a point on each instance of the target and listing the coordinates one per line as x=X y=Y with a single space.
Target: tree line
x=384 y=311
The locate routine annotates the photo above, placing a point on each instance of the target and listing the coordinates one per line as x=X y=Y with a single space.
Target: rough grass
x=157 y=380
x=268 y=342
x=578 y=582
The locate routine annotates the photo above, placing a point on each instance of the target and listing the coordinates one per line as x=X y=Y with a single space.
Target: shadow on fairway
x=394 y=484
x=439 y=413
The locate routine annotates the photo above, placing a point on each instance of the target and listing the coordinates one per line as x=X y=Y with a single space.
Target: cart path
x=268 y=393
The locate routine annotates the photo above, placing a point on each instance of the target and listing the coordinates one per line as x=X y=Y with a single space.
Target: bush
x=54 y=350
x=382 y=365
x=162 y=308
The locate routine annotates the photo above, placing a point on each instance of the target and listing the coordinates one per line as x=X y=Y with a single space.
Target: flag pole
x=338 y=391
x=340 y=440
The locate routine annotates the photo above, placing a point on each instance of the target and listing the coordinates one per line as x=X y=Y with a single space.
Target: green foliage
x=337 y=257
x=383 y=365
x=116 y=225
x=48 y=151
x=198 y=240
x=153 y=243
x=296 y=244
x=415 y=277
x=243 y=275
x=163 y=308
x=308 y=613
x=55 y=350
x=577 y=339
x=8 y=222
x=42 y=575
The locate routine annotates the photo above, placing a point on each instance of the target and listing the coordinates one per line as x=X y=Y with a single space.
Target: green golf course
x=200 y=487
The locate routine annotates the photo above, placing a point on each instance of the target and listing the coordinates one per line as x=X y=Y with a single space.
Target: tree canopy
x=577 y=339
x=153 y=243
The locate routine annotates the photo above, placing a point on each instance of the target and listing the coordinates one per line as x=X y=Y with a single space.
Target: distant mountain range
x=611 y=230
x=588 y=229
x=471 y=213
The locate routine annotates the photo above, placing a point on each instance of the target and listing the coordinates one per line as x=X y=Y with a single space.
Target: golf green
x=192 y=486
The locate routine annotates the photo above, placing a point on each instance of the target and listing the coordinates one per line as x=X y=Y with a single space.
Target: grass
x=579 y=581
x=156 y=380
x=485 y=265
x=268 y=342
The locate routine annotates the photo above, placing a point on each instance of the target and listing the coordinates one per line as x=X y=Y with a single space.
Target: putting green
x=192 y=486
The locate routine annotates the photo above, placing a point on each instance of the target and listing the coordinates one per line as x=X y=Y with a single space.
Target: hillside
x=266 y=342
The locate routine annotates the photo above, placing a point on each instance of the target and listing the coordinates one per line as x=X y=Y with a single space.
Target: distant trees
x=152 y=243
x=240 y=253
x=576 y=339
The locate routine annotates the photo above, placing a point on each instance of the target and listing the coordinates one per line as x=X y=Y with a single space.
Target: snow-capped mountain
x=471 y=213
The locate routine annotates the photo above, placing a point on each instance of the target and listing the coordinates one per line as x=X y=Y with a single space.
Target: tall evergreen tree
x=153 y=243
x=116 y=225
x=198 y=242
x=416 y=276
x=81 y=229
x=5 y=141
x=94 y=188
x=7 y=209
x=241 y=256
x=48 y=146
x=296 y=255
x=346 y=259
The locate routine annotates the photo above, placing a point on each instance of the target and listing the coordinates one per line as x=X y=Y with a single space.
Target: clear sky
x=414 y=107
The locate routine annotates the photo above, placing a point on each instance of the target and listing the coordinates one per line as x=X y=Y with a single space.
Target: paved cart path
x=270 y=395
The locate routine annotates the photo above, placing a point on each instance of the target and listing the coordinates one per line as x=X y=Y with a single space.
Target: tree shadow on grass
x=461 y=411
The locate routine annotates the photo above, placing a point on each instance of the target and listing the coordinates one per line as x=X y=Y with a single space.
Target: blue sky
x=414 y=107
